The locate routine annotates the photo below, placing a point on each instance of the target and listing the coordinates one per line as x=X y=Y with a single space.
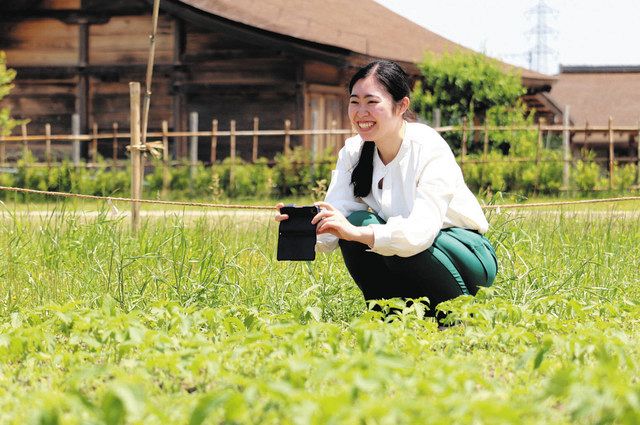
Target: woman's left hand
x=330 y=220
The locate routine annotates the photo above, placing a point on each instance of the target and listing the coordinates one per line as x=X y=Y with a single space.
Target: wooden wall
x=65 y=66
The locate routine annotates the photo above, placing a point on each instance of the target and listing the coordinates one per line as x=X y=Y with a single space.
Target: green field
x=194 y=321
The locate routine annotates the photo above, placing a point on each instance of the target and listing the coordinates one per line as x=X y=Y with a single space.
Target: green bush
x=586 y=175
x=624 y=176
x=544 y=177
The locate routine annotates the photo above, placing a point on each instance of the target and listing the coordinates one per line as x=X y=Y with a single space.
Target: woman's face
x=372 y=110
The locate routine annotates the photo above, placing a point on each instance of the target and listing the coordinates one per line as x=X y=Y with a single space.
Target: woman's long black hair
x=396 y=82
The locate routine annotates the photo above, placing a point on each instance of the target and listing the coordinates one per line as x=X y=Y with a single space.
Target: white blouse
x=422 y=192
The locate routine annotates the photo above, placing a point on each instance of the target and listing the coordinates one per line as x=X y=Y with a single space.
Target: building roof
x=362 y=26
x=595 y=93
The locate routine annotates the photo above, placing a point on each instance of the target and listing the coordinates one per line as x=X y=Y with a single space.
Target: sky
x=580 y=32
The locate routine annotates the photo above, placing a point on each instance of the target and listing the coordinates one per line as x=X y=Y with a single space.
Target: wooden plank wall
x=40 y=42
x=124 y=40
x=218 y=74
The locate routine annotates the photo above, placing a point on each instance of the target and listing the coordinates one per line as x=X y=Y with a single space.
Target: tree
x=464 y=85
x=6 y=78
x=478 y=88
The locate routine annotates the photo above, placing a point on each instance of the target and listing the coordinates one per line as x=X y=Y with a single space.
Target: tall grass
x=230 y=260
x=194 y=321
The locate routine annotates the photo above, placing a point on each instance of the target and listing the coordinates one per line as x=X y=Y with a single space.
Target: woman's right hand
x=280 y=217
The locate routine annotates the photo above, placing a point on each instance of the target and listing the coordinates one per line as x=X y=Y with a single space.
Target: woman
x=397 y=205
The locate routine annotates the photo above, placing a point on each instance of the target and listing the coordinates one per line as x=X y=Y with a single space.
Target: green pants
x=458 y=263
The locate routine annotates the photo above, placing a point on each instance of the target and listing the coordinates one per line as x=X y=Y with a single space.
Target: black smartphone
x=296 y=235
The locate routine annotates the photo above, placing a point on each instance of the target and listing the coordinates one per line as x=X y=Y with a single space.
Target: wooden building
x=595 y=93
x=225 y=59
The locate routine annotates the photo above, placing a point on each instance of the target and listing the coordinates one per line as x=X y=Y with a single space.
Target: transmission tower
x=539 y=54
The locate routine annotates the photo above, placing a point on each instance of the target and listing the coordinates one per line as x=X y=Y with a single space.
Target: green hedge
x=291 y=175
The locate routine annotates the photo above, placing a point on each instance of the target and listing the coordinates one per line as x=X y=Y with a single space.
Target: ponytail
x=362 y=174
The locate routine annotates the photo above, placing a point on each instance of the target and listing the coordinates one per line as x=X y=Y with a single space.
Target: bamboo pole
x=566 y=149
x=287 y=136
x=214 y=141
x=638 y=155
x=232 y=153
x=334 y=139
x=47 y=144
x=75 y=130
x=463 y=143
x=611 y=154
x=136 y=171
x=114 y=143
x=254 y=150
x=94 y=143
x=165 y=158
x=149 y=76
x=437 y=117
x=541 y=122
x=586 y=136
x=193 y=145
x=485 y=144
x=232 y=141
x=25 y=143
x=3 y=150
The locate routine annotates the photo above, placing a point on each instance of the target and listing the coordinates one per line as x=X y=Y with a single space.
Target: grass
x=193 y=321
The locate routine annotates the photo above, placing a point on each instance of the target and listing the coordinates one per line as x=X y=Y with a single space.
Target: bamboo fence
x=326 y=138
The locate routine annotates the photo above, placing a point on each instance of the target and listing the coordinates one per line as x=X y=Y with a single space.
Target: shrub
x=586 y=175
x=624 y=176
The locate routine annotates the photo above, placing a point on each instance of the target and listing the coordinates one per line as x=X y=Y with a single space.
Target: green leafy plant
x=6 y=78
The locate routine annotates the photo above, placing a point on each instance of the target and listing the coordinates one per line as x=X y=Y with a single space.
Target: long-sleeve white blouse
x=422 y=192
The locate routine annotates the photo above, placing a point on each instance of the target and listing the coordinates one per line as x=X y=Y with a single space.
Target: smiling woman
x=409 y=227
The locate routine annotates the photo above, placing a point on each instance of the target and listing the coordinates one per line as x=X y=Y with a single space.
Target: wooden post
x=437 y=117
x=136 y=171
x=586 y=135
x=149 y=74
x=193 y=144
x=94 y=143
x=47 y=144
x=254 y=150
x=334 y=139
x=165 y=158
x=463 y=144
x=287 y=136
x=566 y=149
x=114 y=143
x=485 y=145
x=611 y=154
x=638 y=155
x=232 y=141
x=214 y=141
x=25 y=143
x=75 y=130
x=541 y=122
x=232 y=152
x=3 y=150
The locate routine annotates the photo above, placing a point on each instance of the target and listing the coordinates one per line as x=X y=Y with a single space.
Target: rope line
x=271 y=207
x=142 y=201
x=557 y=203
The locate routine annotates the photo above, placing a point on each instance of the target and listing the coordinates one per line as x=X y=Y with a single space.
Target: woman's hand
x=280 y=217
x=330 y=220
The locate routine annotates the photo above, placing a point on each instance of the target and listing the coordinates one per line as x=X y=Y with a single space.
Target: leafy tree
x=6 y=77
x=464 y=85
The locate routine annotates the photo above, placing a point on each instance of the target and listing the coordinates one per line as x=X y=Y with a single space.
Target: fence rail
x=329 y=138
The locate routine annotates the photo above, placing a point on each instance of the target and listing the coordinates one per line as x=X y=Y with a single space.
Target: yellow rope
x=557 y=203
x=144 y=201
x=271 y=207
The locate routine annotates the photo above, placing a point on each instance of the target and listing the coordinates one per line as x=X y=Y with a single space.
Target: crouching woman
x=397 y=205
